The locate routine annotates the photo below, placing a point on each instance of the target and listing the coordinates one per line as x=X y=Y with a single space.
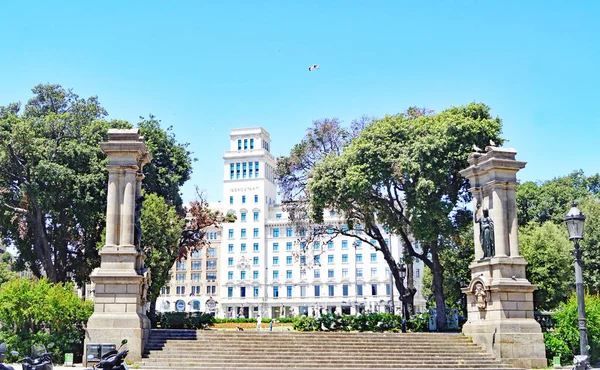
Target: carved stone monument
x=121 y=281
x=499 y=297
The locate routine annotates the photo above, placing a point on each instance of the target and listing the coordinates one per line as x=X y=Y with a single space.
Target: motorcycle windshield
x=37 y=350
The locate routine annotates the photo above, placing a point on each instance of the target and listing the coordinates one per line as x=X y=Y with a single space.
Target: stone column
x=121 y=281
x=499 y=297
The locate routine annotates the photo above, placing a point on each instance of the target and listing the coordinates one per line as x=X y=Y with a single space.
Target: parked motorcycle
x=113 y=360
x=2 y=355
x=40 y=359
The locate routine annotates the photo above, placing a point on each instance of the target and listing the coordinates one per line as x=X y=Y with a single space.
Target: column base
x=112 y=328
x=519 y=342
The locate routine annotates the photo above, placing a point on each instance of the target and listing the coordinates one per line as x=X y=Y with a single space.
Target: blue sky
x=206 y=67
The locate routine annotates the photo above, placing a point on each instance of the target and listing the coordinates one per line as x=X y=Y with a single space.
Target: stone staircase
x=214 y=349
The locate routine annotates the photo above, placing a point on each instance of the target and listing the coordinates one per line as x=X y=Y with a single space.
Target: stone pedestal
x=499 y=297
x=121 y=282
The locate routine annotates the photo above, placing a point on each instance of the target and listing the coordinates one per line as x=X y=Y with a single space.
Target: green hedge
x=184 y=320
x=246 y=320
x=563 y=340
x=378 y=322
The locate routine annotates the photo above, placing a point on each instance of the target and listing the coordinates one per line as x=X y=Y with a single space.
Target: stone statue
x=486 y=232
x=137 y=236
x=480 y=296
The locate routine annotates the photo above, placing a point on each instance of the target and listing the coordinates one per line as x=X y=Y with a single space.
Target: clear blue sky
x=206 y=67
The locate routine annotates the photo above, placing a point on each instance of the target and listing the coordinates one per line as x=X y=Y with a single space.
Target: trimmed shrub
x=184 y=320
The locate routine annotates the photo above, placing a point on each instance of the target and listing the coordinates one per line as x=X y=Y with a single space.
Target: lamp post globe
x=575 y=221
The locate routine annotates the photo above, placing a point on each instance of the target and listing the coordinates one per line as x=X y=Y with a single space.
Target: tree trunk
x=438 y=290
x=410 y=288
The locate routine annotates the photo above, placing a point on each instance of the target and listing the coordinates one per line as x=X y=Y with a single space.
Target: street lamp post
x=402 y=273
x=575 y=221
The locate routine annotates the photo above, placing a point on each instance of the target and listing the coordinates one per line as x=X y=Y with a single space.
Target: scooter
x=581 y=362
x=39 y=360
x=2 y=355
x=113 y=360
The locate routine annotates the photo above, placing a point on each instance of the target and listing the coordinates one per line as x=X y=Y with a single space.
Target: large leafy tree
x=53 y=179
x=6 y=273
x=402 y=172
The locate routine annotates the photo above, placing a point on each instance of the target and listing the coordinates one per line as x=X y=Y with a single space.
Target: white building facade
x=259 y=270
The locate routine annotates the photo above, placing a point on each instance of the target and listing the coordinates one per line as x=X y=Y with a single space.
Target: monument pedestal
x=121 y=282
x=500 y=312
x=500 y=298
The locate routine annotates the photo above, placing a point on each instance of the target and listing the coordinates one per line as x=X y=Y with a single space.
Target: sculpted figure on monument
x=486 y=232
x=480 y=296
x=137 y=236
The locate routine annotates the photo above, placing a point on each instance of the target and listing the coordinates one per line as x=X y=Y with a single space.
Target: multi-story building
x=261 y=268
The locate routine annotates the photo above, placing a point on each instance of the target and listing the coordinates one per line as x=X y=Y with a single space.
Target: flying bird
x=313 y=67
x=476 y=148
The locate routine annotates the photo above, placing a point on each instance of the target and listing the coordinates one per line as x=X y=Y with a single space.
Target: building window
x=231 y=172
x=256 y=195
x=317 y=246
x=330 y=273
x=330 y=258
x=358 y=244
x=180 y=277
x=359 y=273
x=256 y=169
x=195 y=277
x=230 y=233
x=276 y=232
x=251 y=143
x=289 y=290
x=387 y=289
x=303 y=260
x=289 y=232
x=211 y=265
x=275 y=291
x=255 y=247
x=317 y=260
x=244 y=170
x=373 y=257
x=373 y=271
x=230 y=248
x=255 y=215
x=288 y=274
x=211 y=252
x=345 y=290
x=245 y=144
x=332 y=290
x=278 y=216
x=243 y=247
x=359 y=290
x=231 y=199
x=243 y=275
x=196 y=254
x=240 y=144
x=230 y=261
x=275 y=247
x=344 y=272
x=255 y=261
x=288 y=260
x=275 y=274
x=256 y=291
x=243 y=233
x=344 y=244
x=243 y=216
x=250 y=170
x=359 y=258
x=255 y=274
x=211 y=276
x=276 y=260
x=373 y=289
x=256 y=232
x=418 y=273
x=230 y=275
x=330 y=245
x=237 y=170
x=344 y=258
x=288 y=246
x=303 y=291
x=317 y=274
x=242 y=291
x=180 y=266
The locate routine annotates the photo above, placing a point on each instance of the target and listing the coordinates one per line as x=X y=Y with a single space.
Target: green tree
x=53 y=179
x=37 y=311
x=401 y=172
x=591 y=244
x=6 y=273
x=161 y=230
x=546 y=248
